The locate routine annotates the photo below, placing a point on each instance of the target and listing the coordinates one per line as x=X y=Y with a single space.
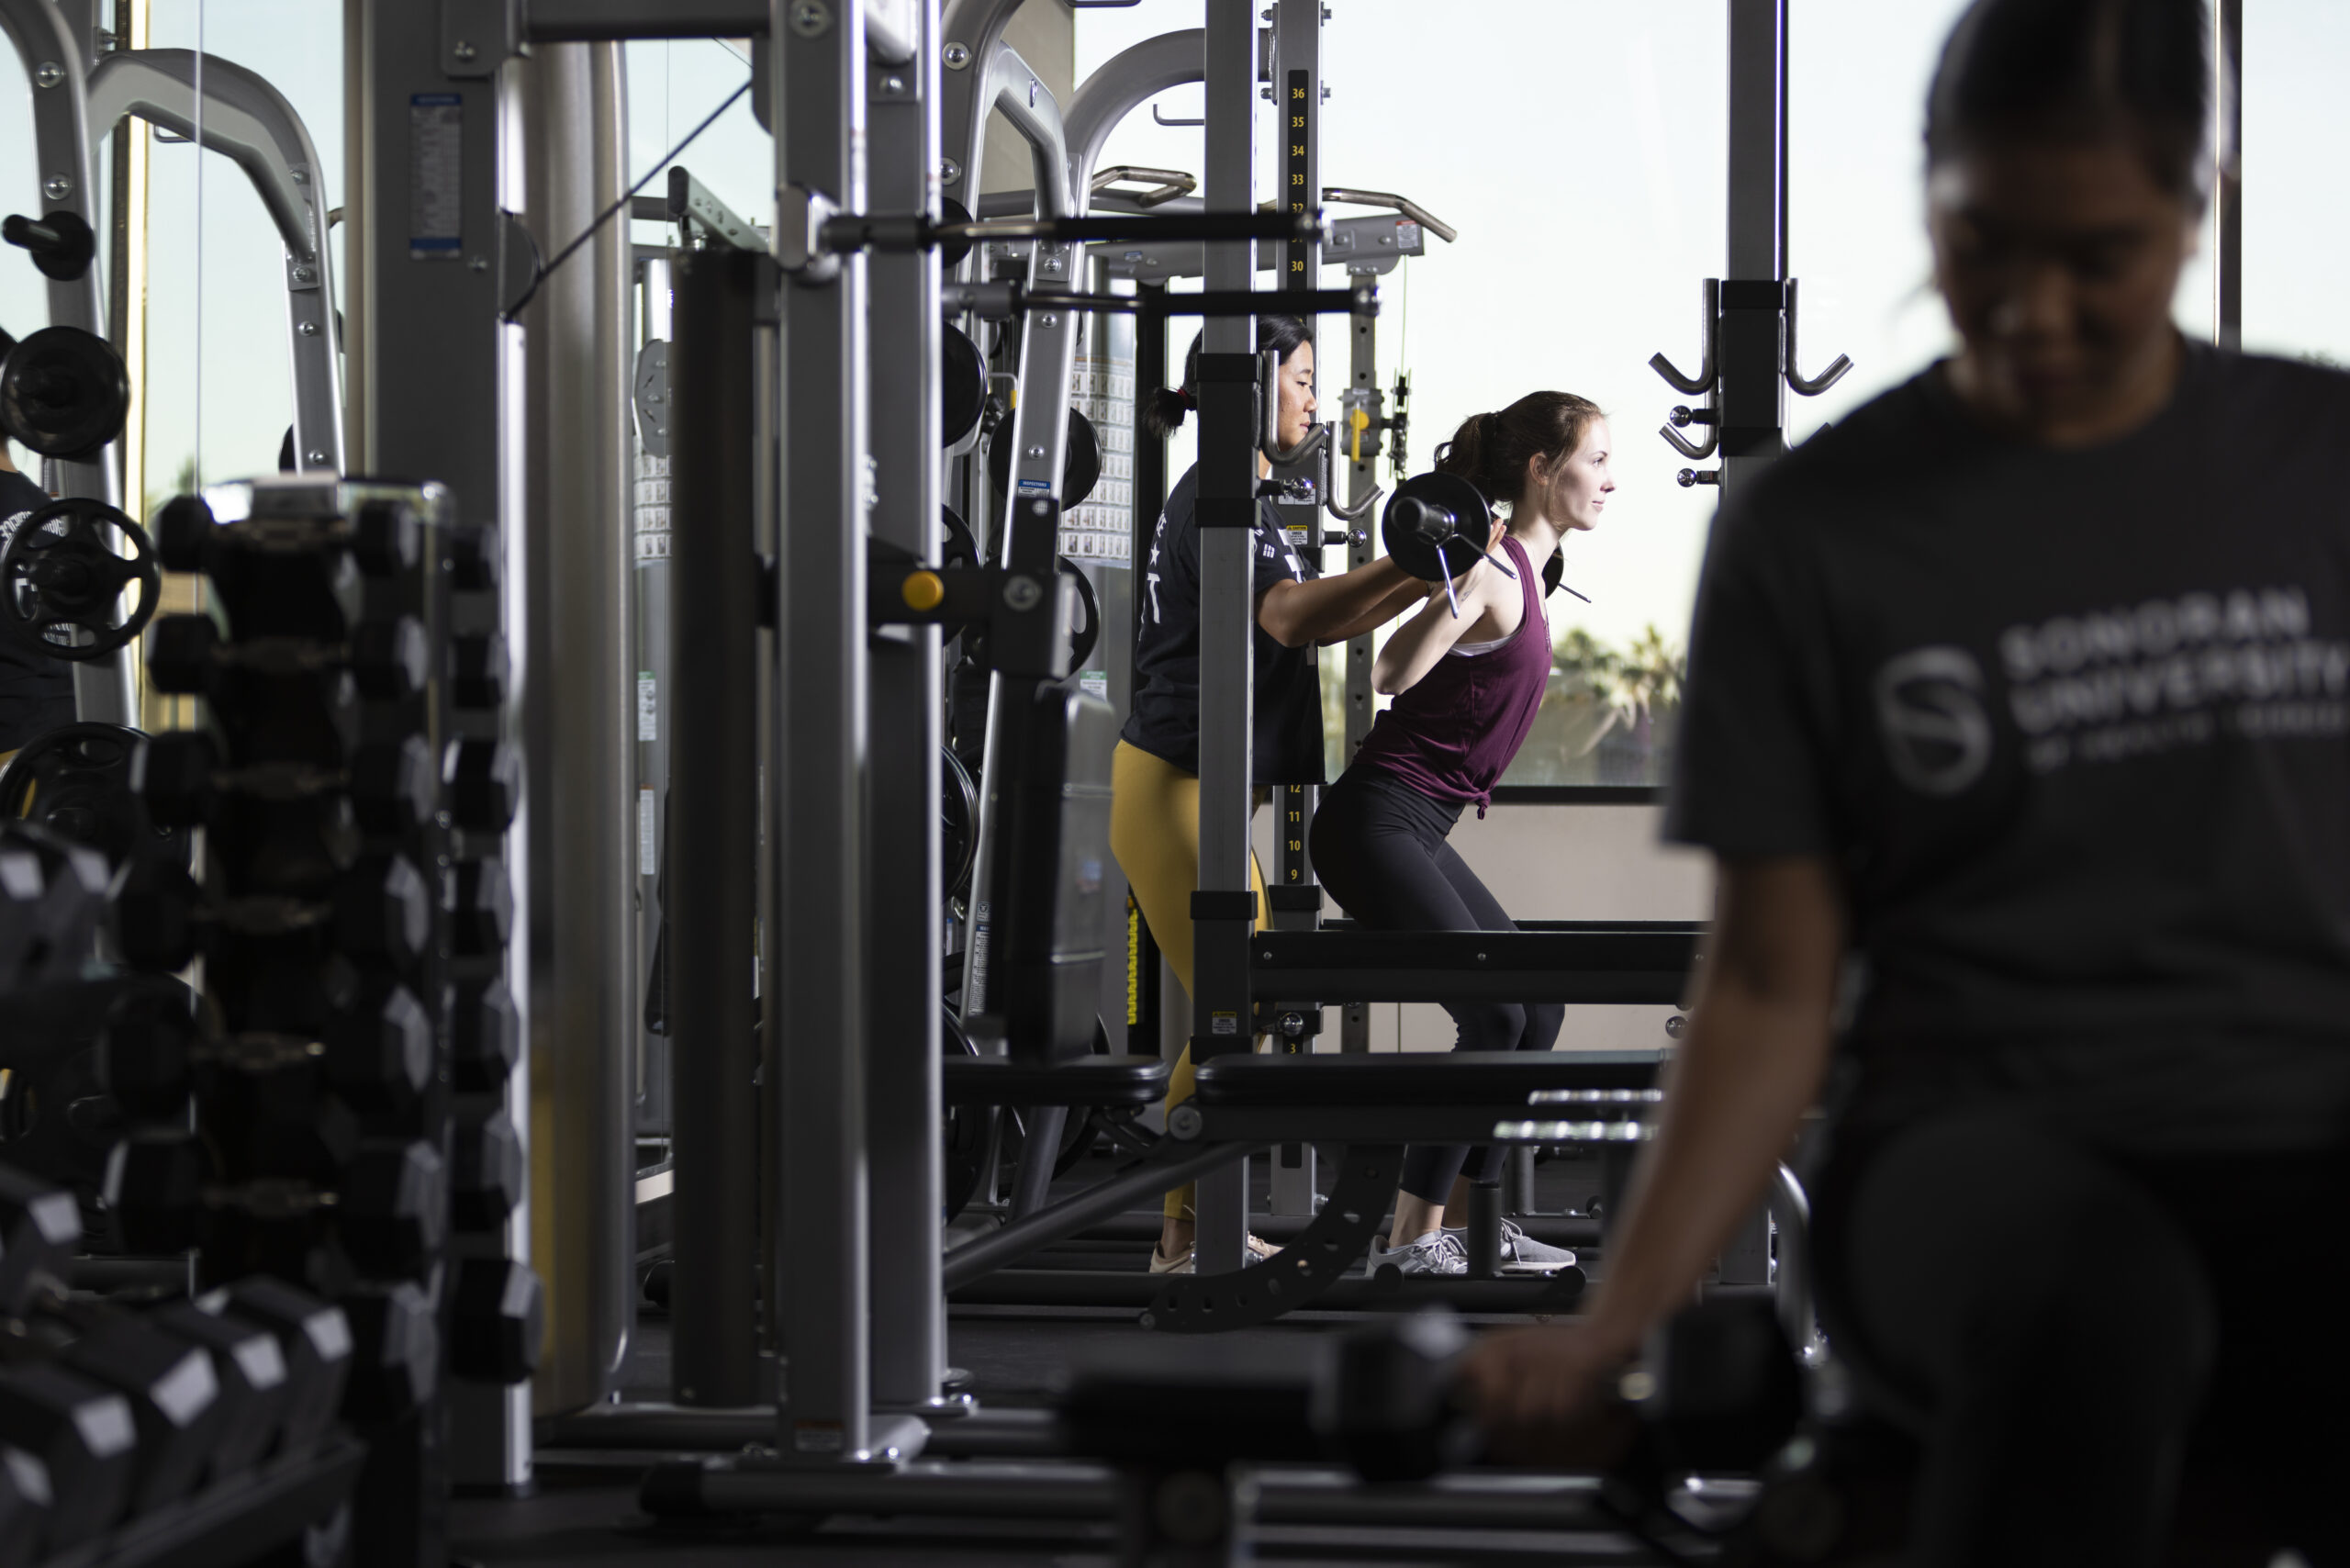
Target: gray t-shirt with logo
x=2076 y=728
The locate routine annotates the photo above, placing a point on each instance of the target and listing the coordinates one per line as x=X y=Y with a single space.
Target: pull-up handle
x=1803 y=386
x=1703 y=381
x=1409 y=208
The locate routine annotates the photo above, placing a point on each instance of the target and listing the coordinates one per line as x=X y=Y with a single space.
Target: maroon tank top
x=1450 y=737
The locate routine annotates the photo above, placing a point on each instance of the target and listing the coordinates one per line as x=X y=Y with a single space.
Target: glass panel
x=219 y=374
x=1579 y=151
x=2296 y=229
x=673 y=86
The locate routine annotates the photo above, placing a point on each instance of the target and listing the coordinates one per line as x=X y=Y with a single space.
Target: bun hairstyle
x=1163 y=415
x=1492 y=451
x=2076 y=71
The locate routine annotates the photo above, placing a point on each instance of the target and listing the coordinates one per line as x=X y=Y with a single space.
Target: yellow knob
x=1357 y=422
x=923 y=591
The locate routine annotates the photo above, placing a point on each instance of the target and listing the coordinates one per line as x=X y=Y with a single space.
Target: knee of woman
x=1490 y=1027
x=1543 y=1022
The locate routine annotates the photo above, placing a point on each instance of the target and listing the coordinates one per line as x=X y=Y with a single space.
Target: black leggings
x=1379 y=846
x=2104 y=1357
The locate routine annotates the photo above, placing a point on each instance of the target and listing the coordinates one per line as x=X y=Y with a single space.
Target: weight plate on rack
x=63 y=393
x=62 y=580
x=1080 y=463
x=963 y=396
x=76 y=781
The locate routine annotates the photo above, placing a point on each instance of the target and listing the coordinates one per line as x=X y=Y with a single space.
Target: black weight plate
x=1081 y=463
x=952 y=251
x=1086 y=633
x=962 y=549
x=75 y=781
x=1427 y=502
x=963 y=394
x=1554 y=571
x=62 y=580
x=63 y=393
x=1082 y=468
x=958 y=823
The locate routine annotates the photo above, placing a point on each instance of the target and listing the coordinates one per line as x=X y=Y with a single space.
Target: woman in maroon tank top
x=1466 y=690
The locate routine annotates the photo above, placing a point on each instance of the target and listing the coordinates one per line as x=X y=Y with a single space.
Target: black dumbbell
x=380 y=909
x=313 y=1335
x=388 y=660
x=497 y=1321
x=52 y=901
x=479 y=674
x=82 y=1441
x=39 y=1227
x=390 y=1207
x=180 y=772
x=255 y=1386
x=384 y=536
x=169 y=1384
x=481 y=907
x=377 y=1052
x=484 y=780
x=487 y=1171
x=396 y=1364
x=485 y=1035
x=471 y=559
x=24 y=1495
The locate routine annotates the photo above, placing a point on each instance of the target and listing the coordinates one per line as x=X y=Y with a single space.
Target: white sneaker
x=1435 y=1254
x=1521 y=1254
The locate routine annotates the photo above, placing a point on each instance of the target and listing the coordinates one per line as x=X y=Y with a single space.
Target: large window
x=1579 y=151
x=2296 y=225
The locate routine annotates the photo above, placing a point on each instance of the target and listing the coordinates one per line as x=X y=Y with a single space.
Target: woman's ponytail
x=1163 y=415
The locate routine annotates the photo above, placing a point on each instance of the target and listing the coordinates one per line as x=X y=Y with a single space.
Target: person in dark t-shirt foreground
x=2022 y=698
x=1155 y=779
x=35 y=692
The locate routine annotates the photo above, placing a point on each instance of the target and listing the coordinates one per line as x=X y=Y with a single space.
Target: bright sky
x=1576 y=144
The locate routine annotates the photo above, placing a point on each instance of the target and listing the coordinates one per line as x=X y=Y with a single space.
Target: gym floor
x=585 y=1510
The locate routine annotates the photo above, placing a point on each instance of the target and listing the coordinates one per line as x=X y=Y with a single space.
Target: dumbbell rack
x=349 y=856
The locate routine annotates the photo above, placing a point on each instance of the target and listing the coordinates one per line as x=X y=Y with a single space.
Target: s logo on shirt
x=1930 y=709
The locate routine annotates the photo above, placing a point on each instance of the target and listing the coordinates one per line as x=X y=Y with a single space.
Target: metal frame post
x=905 y=932
x=450 y=405
x=712 y=815
x=1295 y=896
x=578 y=354
x=57 y=65
x=1223 y=910
x=817 y=825
x=2227 y=185
x=1754 y=395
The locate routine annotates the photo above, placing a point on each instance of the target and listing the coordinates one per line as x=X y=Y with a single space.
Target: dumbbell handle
x=257 y=1050
x=269 y=1197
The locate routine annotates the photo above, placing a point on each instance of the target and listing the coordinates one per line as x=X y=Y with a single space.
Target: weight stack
x=340 y=906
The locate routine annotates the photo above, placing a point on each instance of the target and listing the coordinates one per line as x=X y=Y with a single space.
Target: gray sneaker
x=1435 y=1254
x=1521 y=1254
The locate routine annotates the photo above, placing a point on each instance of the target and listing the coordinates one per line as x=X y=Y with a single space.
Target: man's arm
x=1406 y=598
x=1748 y=1067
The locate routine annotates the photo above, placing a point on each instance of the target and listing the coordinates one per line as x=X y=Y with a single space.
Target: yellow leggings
x=1155 y=834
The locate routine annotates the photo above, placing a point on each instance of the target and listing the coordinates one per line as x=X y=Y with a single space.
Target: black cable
x=547 y=269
